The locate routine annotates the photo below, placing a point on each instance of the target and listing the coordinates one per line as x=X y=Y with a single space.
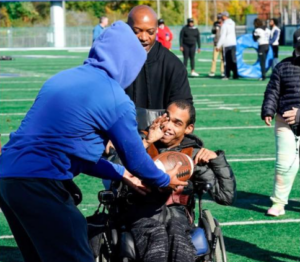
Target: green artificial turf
x=222 y=108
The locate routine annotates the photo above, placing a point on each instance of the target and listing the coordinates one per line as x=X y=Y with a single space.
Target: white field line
x=230 y=127
x=20 y=82
x=19 y=89
x=223 y=108
x=224 y=105
x=251 y=110
x=233 y=85
x=216 y=95
x=12 y=114
x=200 y=100
x=17 y=100
x=237 y=223
x=207 y=102
x=252 y=159
x=260 y=222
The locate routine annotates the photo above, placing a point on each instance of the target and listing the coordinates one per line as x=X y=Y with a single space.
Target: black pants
x=275 y=50
x=164 y=240
x=230 y=61
x=189 y=52
x=262 y=55
x=44 y=220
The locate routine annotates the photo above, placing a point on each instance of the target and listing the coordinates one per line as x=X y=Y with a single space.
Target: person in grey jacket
x=282 y=101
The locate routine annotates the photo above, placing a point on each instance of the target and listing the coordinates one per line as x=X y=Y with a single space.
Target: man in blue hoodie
x=63 y=134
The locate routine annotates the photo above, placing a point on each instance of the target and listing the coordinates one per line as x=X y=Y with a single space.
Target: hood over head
x=118 y=52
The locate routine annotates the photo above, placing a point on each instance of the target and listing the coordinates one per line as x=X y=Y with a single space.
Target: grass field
x=228 y=118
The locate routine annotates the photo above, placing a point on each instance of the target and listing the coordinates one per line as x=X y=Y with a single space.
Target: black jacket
x=283 y=90
x=162 y=80
x=217 y=172
x=189 y=36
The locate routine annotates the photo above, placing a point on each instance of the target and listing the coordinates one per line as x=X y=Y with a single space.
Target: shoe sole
x=281 y=213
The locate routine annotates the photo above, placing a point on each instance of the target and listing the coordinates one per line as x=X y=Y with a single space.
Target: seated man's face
x=145 y=28
x=177 y=126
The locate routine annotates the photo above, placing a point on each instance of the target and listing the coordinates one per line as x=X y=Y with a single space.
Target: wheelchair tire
x=219 y=254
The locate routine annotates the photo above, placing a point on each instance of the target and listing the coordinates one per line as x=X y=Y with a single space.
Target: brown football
x=167 y=161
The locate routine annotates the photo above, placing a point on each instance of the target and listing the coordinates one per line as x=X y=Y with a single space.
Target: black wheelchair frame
x=112 y=242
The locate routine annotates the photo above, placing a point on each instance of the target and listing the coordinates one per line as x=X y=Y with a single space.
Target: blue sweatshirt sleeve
x=272 y=40
x=103 y=169
x=125 y=138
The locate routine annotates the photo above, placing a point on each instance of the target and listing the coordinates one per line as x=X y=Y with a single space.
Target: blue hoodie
x=77 y=111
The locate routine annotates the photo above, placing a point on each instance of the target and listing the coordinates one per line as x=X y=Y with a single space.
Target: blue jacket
x=77 y=111
x=98 y=30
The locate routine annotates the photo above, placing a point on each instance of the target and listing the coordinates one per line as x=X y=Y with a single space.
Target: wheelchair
x=111 y=241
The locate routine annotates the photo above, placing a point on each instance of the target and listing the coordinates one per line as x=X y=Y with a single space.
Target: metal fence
x=42 y=37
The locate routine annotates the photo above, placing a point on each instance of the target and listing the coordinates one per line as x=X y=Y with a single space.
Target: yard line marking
x=230 y=127
x=17 y=100
x=208 y=102
x=213 y=85
x=252 y=159
x=19 y=89
x=12 y=114
x=6 y=237
x=224 y=105
x=237 y=223
x=253 y=110
x=216 y=95
x=226 y=108
x=20 y=82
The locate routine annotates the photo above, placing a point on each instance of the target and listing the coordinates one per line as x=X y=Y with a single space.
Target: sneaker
x=222 y=75
x=211 y=74
x=276 y=211
x=224 y=78
x=262 y=79
x=194 y=74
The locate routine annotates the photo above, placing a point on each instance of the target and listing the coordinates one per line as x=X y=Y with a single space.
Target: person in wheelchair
x=161 y=222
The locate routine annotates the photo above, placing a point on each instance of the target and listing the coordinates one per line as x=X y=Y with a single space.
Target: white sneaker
x=194 y=74
x=222 y=75
x=211 y=74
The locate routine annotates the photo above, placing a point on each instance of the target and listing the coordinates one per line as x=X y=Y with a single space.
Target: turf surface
x=228 y=118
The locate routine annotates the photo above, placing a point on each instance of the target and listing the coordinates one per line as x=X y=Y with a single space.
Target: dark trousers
x=230 y=61
x=262 y=55
x=44 y=220
x=164 y=240
x=189 y=52
x=275 y=50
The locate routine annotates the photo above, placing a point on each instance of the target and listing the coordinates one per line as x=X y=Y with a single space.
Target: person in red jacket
x=164 y=34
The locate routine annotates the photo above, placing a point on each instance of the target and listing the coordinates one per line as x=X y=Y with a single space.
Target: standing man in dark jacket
x=163 y=77
x=160 y=224
x=189 y=38
x=282 y=97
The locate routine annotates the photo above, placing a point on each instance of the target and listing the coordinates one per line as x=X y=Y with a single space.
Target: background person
x=164 y=34
x=163 y=78
x=216 y=30
x=63 y=134
x=189 y=38
x=282 y=97
x=98 y=29
x=227 y=42
x=261 y=34
x=274 y=40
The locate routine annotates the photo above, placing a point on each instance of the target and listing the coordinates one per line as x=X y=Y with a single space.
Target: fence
x=42 y=37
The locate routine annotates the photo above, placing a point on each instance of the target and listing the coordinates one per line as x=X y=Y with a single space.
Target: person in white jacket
x=261 y=34
x=227 y=41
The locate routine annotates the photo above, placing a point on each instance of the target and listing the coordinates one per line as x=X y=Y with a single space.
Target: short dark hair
x=258 y=23
x=275 y=20
x=183 y=104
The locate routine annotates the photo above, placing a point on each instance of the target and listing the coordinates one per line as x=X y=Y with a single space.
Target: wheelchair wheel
x=219 y=254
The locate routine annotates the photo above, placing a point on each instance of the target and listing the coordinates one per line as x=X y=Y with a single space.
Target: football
x=167 y=161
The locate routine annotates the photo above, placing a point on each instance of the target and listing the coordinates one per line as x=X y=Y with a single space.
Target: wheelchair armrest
x=127 y=246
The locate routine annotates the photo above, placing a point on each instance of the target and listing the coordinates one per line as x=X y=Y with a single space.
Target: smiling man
x=163 y=78
x=161 y=222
